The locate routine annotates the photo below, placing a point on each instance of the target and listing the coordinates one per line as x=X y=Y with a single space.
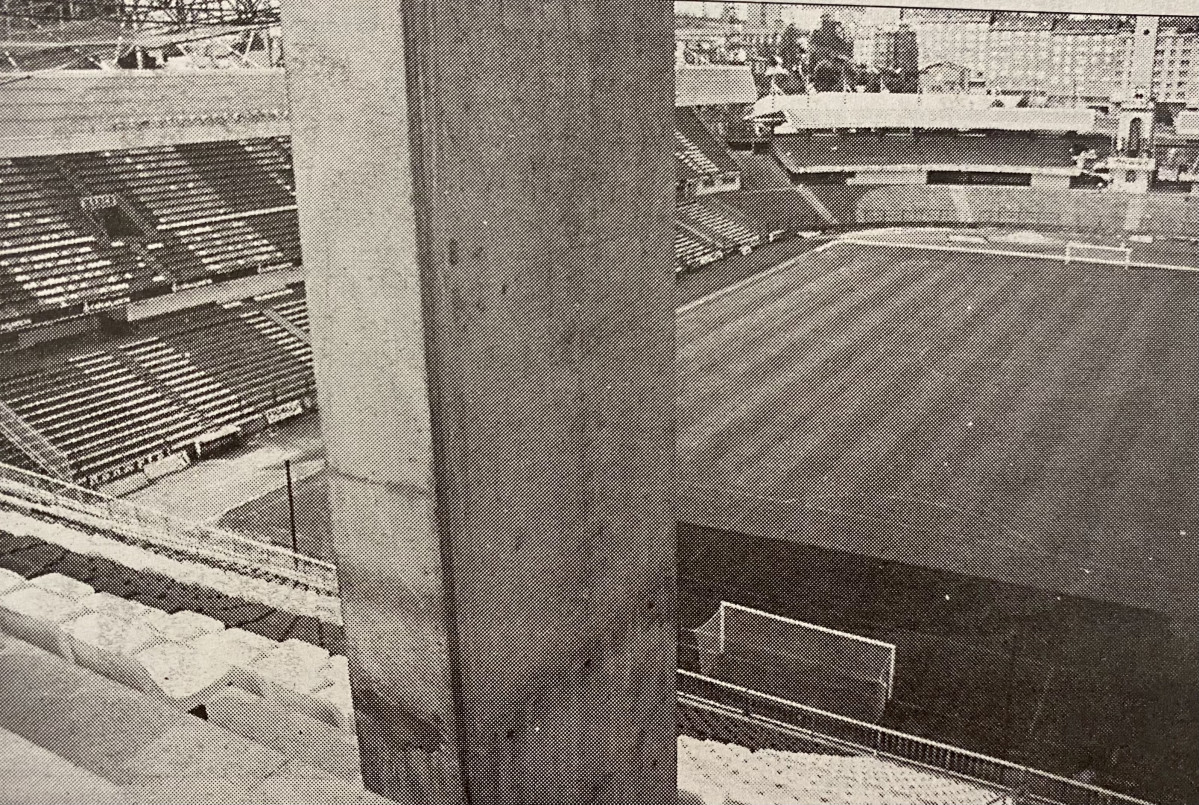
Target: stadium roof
x=714 y=85
x=89 y=110
x=827 y=110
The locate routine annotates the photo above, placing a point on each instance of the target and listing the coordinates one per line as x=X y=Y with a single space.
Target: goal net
x=1093 y=253
x=778 y=655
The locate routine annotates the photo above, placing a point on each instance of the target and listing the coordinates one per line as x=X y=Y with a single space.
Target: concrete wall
x=889 y=177
x=1050 y=180
x=490 y=280
x=93 y=110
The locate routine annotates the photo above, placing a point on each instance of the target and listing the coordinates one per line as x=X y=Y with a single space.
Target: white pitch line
x=933 y=247
x=936 y=247
x=756 y=278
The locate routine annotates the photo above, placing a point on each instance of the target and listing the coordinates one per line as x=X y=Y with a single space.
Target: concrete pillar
x=485 y=195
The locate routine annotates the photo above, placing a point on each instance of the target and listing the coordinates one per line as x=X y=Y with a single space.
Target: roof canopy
x=847 y=110
x=714 y=85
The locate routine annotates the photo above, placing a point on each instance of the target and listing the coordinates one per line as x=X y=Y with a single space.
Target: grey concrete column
x=486 y=198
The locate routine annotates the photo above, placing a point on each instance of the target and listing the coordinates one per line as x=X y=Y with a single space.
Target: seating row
x=290 y=696
x=722 y=220
x=698 y=152
x=199 y=207
x=130 y=401
x=728 y=773
x=690 y=252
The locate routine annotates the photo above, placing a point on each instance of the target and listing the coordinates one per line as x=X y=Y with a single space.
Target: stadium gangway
x=95 y=511
x=1023 y=783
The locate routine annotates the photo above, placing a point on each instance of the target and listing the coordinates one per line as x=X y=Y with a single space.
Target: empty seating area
x=205 y=209
x=49 y=259
x=724 y=222
x=698 y=151
x=104 y=417
x=280 y=680
x=115 y=406
x=690 y=251
x=721 y=772
x=705 y=721
x=245 y=181
x=259 y=671
x=295 y=310
x=215 y=405
x=272 y=330
x=231 y=246
x=800 y=153
x=229 y=349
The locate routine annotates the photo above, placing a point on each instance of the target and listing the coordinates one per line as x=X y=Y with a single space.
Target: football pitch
x=887 y=427
x=962 y=410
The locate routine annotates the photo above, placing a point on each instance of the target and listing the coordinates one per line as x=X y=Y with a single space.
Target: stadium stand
x=214 y=403
x=801 y=153
x=704 y=163
x=206 y=197
x=262 y=369
x=131 y=400
x=734 y=774
x=761 y=171
x=191 y=213
x=51 y=261
x=691 y=252
x=103 y=416
x=722 y=220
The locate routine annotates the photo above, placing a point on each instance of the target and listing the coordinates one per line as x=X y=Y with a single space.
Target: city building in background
x=948 y=76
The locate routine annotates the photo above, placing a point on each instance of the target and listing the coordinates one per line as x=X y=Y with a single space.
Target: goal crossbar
x=1098 y=253
x=734 y=627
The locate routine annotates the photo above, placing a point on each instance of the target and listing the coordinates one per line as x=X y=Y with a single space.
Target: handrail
x=1040 y=786
x=95 y=510
x=29 y=441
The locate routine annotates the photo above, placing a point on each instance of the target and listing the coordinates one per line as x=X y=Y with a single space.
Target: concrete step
x=153 y=751
x=32 y=775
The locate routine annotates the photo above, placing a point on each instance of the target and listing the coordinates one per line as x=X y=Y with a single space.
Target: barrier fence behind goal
x=783 y=645
x=1093 y=253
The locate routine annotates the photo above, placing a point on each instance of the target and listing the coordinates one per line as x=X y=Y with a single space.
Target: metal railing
x=93 y=510
x=27 y=439
x=1023 y=783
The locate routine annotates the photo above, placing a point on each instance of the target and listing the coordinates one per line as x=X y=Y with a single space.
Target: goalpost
x=1094 y=253
x=790 y=645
